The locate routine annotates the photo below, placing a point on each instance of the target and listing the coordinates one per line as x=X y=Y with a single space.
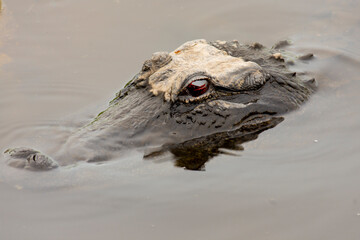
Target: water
x=62 y=61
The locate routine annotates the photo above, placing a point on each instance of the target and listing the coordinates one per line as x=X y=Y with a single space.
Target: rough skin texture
x=240 y=91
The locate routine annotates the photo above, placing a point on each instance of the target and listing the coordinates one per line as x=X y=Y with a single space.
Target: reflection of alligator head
x=201 y=97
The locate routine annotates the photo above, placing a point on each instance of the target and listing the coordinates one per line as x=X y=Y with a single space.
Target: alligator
x=194 y=101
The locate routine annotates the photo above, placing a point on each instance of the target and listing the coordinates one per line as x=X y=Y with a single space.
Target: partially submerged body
x=201 y=97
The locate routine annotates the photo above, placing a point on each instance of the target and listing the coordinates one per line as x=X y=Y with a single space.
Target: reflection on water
x=295 y=181
x=194 y=153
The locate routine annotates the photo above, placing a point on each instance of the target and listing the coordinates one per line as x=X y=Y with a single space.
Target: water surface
x=62 y=61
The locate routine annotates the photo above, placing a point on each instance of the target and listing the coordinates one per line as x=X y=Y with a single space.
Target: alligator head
x=205 y=94
x=194 y=100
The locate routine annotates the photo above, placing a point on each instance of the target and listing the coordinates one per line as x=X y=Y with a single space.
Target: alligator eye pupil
x=198 y=87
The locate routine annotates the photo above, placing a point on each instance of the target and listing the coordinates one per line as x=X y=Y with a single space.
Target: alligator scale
x=201 y=97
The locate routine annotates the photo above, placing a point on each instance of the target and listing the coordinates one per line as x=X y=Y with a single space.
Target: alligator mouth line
x=255 y=119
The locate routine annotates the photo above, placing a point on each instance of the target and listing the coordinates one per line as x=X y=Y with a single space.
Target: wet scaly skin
x=192 y=101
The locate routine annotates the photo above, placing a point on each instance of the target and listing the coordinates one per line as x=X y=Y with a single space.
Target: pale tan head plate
x=194 y=57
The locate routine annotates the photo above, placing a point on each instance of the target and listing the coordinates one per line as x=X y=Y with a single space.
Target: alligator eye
x=198 y=87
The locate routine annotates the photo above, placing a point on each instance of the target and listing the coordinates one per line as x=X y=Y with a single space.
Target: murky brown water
x=66 y=59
